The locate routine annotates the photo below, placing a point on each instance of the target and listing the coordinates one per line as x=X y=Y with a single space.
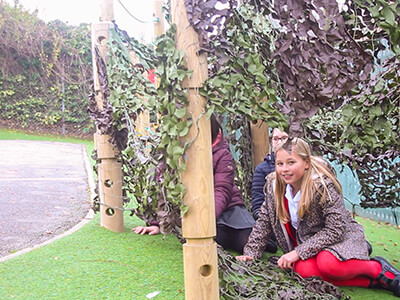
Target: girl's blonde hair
x=311 y=182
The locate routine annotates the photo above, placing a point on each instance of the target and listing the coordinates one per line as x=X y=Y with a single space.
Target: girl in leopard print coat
x=305 y=210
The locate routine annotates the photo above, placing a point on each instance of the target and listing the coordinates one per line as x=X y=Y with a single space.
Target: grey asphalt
x=45 y=190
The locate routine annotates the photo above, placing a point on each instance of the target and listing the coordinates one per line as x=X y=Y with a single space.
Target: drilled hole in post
x=110 y=212
x=205 y=270
x=108 y=183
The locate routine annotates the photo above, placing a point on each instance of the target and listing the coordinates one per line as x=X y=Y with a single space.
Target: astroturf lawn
x=95 y=263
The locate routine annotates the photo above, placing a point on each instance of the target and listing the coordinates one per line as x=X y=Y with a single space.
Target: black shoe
x=374 y=284
x=387 y=283
x=369 y=248
x=271 y=247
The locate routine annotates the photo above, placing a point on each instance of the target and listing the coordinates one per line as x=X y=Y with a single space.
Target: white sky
x=75 y=12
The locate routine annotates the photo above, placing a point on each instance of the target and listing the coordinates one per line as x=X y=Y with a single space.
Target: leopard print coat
x=326 y=226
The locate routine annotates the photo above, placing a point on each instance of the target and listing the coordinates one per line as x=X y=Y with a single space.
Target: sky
x=126 y=13
x=75 y=12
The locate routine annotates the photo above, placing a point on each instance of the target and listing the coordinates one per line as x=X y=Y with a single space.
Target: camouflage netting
x=265 y=280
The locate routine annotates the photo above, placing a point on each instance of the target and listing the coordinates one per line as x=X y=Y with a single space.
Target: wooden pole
x=143 y=125
x=260 y=141
x=159 y=25
x=107 y=10
x=198 y=224
x=109 y=171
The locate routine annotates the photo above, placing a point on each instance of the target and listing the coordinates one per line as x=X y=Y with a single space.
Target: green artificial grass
x=95 y=263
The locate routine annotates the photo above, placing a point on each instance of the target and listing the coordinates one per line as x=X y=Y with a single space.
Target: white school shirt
x=293 y=205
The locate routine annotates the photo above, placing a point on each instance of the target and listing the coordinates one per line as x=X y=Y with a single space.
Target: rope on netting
x=116 y=208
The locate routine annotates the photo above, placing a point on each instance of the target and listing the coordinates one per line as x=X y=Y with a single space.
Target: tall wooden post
x=107 y=10
x=159 y=25
x=198 y=224
x=260 y=141
x=110 y=170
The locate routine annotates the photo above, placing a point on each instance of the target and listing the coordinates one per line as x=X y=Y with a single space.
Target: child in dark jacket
x=262 y=170
x=234 y=222
x=259 y=178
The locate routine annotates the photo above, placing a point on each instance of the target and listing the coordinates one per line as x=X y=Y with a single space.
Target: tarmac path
x=44 y=192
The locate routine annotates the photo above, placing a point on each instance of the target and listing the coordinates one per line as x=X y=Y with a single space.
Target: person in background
x=234 y=221
x=305 y=210
x=262 y=170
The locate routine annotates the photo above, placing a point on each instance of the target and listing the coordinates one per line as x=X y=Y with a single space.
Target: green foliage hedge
x=45 y=73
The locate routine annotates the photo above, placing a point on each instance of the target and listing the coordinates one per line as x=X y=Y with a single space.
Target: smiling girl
x=305 y=210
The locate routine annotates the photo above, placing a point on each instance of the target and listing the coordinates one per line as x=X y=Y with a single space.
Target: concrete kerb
x=89 y=216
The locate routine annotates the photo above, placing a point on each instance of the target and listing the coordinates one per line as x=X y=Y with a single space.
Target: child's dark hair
x=215 y=127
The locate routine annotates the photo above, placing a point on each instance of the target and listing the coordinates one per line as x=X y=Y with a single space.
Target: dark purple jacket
x=226 y=193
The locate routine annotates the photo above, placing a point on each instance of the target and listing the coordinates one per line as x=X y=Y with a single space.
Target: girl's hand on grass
x=286 y=261
x=151 y=230
x=244 y=258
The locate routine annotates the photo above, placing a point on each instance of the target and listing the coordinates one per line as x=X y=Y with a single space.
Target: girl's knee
x=307 y=268
x=328 y=264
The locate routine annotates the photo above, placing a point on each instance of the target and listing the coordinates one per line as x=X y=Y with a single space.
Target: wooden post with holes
x=198 y=224
x=260 y=141
x=110 y=169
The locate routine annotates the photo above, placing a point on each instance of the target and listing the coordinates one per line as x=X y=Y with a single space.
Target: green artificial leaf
x=180 y=113
x=388 y=15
